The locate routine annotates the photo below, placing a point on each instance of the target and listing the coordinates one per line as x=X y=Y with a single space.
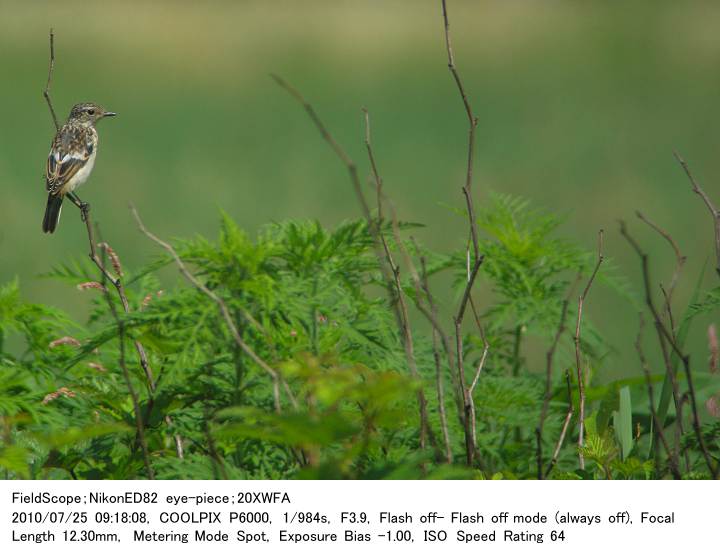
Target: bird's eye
x=91 y=111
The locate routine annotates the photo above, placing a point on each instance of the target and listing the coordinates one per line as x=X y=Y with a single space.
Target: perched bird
x=71 y=159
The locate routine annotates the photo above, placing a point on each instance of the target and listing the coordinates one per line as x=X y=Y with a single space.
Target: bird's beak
x=106 y=114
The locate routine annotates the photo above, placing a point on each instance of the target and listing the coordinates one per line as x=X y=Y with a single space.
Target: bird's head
x=87 y=113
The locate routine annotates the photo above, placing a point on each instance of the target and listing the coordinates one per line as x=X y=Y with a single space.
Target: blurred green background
x=580 y=105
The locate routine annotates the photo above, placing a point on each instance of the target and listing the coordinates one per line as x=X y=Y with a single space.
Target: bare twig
x=669 y=367
x=438 y=367
x=679 y=262
x=564 y=429
x=400 y=306
x=549 y=357
x=481 y=365
x=387 y=268
x=658 y=426
x=404 y=313
x=472 y=268
x=223 y=310
x=432 y=316
x=714 y=212
x=119 y=287
x=339 y=151
x=478 y=372
x=472 y=126
x=468 y=401
x=46 y=92
x=664 y=333
x=578 y=352
x=373 y=166
x=408 y=346
x=668 y=308
x=140 y=426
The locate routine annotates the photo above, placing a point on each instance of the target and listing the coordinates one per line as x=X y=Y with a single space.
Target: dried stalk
x=549 y=357
x=563 y=431
x=120 y=288
x=139 y=425
x=578 y=352
x=714 y=212
x=664 y=333
x=473 y=267
x=46 y=92
x=472 y=126
x=679 y=262
x=468 y=401
x=387 y=269
x=658 y=427
x=440 y=386
x=408 y=346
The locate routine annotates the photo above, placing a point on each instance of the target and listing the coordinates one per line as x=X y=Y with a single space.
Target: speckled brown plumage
x=71 y=159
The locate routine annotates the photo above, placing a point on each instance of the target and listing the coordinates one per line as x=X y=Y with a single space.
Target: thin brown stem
x=401 y=306
x=139 y=425
x=46 y=92
x=327 y=136
x=714 y=212
x=578 y=351
x=679 y=262
x=659 y=327
x=549 y=357
x=667 y=294
x=432 y=316
x=472 y=126
x=409 y=348
x=564 y=429
x=387 y=268
x=119 y=287
x=658 y=427
x=373 y=165
x=664 y=333
x=439 y=382
x=468 y=401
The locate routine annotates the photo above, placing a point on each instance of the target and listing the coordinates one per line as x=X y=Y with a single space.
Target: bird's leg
x=74 y=199
x=82 y=205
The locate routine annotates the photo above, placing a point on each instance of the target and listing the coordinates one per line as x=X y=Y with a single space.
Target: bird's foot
x=84 y=210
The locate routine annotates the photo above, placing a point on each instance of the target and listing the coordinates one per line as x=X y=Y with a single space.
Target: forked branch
x=117 y=283
x=666 y=336
x=472 y=126
x=657 y=425
x=714 y=212
x=549 y=357
x=46 y=92
x=679 y=262
x=387 y=267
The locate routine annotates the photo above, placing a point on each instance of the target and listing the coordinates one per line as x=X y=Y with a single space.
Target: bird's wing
x=70 y=151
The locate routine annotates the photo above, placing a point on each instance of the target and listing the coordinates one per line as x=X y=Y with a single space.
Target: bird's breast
x=82 y=174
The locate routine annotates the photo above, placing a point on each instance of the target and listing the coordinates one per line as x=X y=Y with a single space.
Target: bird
x=71 y=160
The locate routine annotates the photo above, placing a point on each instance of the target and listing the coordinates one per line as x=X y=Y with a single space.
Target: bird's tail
x=52 y=213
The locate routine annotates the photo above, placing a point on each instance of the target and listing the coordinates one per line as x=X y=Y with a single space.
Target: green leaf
x=622 y=421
